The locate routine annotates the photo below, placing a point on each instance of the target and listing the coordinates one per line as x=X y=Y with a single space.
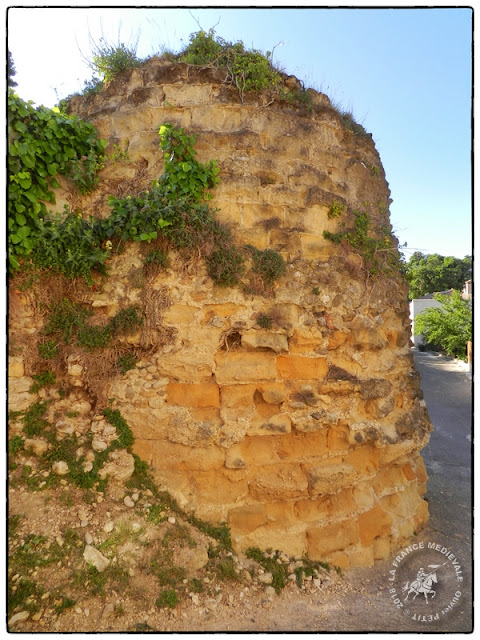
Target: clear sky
x=406 y=74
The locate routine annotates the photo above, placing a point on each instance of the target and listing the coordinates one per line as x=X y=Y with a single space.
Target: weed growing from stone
x=376 y=249
x=15 y=444
x=278 y=571
x=33 y=421
x=336 y=210
x=95 y=582
x=225 y=266
x=125 y=436
x=157 y=258
x=125 y=322
x=268 y=263
x=47 y=350
x=42 y=380
x=65 y=320
x=264 y=321
x=65 y=603
x=126 y=362
x=196 y=585
x=108 y=60
x=352 y=125
x=225 y=569
x=167 y=575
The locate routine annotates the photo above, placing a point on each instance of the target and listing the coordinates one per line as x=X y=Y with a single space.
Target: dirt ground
x=49 y=533
x=50 y=530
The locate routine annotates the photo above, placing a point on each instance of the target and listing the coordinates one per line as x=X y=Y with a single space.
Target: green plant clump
x=42 y=380
x=108 y=60
x=264 y=321
x=156 y=257
x=126 y=362
x=278 y=571
x=336 y=210
x=71 y=245
x=168 y=598
x=68 y=323
x=352 y=125
x=15 y=444
x=125 y=435
x=248 y=70
x=33 y=421
x=268 y=264
x=225 y=266
x=47 y=350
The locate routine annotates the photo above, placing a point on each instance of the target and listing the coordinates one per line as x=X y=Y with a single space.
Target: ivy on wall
x=43 y=143
x=174 y=208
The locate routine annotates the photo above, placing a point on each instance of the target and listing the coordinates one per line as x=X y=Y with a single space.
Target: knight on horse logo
x=423 y=583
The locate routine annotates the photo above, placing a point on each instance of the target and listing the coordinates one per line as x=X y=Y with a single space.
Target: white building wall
x=417 y=306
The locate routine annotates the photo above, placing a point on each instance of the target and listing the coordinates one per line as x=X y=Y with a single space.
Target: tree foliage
x=449 y=326
x=11 y=71
x=433 y=273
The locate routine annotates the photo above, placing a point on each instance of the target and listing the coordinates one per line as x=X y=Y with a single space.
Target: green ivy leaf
x=53 y=168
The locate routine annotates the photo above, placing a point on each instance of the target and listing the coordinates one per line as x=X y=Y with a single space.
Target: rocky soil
x=113 y=564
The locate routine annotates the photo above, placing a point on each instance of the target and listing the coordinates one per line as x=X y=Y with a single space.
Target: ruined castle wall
x=304 y=436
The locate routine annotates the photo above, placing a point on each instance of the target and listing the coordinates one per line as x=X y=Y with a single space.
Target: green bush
x=352 y=125
x=202 y=49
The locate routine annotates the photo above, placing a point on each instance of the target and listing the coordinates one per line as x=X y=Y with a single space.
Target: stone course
x=304 y=437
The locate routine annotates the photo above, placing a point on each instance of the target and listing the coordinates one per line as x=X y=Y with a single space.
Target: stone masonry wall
x=304 y=437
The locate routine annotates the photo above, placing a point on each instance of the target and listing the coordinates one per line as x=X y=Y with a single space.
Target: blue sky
x=405 y=74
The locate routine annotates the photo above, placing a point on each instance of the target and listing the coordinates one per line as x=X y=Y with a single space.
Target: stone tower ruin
x=292 y=413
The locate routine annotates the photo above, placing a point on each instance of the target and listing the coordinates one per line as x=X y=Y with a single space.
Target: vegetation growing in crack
x=379 y=255
x=68 y=323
